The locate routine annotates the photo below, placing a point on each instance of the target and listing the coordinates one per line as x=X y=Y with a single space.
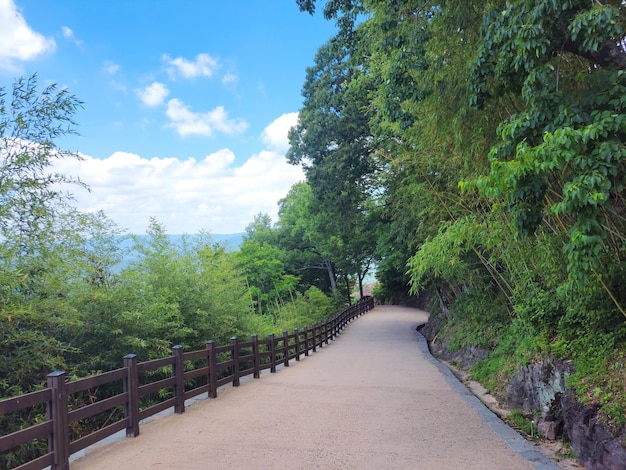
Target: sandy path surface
x=372 y=399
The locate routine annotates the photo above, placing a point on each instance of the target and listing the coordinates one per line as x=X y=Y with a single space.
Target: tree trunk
x=361 y=277
x=331 y=275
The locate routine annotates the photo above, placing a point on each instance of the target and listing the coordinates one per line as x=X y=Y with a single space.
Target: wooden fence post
x=272 y=353
x=306 y=341
x=286 y=345
x=235 y=357
x=212 y=363
x=179 y=379
x=327 y=331
x=297 y=334
x=131 y=386
x=59 y=441
x=315 y=327
x=257 y=357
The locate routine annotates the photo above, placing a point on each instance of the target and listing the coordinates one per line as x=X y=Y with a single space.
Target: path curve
x=372 y=399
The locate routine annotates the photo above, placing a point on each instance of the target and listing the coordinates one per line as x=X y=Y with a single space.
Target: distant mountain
x=231 y=242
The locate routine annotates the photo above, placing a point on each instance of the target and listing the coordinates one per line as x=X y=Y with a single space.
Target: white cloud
x=18 y=42
x=111 y=67
x=203 y=66
x=69 y=34
x=187 y=122
x=187 y=196
x=229 y=78
x=154 y=94
x=275 y=135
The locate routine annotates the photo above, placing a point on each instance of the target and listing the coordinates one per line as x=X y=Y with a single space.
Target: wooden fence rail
x=139 y=390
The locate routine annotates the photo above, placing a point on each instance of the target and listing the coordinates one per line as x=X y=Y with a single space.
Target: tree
x=29 y=192
x=31 y=204
x=334 y=144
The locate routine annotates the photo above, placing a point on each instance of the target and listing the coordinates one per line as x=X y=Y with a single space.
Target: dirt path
x=372 y=399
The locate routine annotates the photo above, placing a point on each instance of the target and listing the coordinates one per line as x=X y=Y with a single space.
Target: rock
x=549 y=429
x=535 y=386
x=464 y=357
x=594 y=446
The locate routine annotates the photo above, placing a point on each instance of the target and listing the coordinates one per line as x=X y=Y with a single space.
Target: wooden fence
x=158 y=385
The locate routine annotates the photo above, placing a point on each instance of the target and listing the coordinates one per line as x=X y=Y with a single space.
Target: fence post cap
x=130 y=356
x=56 y=373
x=178 y=346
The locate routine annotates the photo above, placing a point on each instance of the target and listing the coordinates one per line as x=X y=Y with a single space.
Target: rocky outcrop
x=541 y=388
x=464 y=357
x=535 y=386
x=594 y=446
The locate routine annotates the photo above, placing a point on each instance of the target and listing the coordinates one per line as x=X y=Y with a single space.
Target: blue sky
x=187 y=104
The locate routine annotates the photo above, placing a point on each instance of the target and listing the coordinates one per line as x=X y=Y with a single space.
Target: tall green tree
x=334 y=144
x=31 y=194
x=31 y=202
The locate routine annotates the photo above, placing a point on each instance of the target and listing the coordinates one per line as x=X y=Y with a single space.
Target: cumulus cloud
x=187 y=196
x=275 y=135
x=203 y=66
x=187 y=122
x=154 y=94
x=18 y=42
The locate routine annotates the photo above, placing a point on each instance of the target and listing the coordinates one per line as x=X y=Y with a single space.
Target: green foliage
x=303 y=246
x=599 y=376
x=269 y=286
x=524 y=423
x=309 y=308
x=477 y=318
x=443 y=256
x=563 y=156
x=31 y=348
